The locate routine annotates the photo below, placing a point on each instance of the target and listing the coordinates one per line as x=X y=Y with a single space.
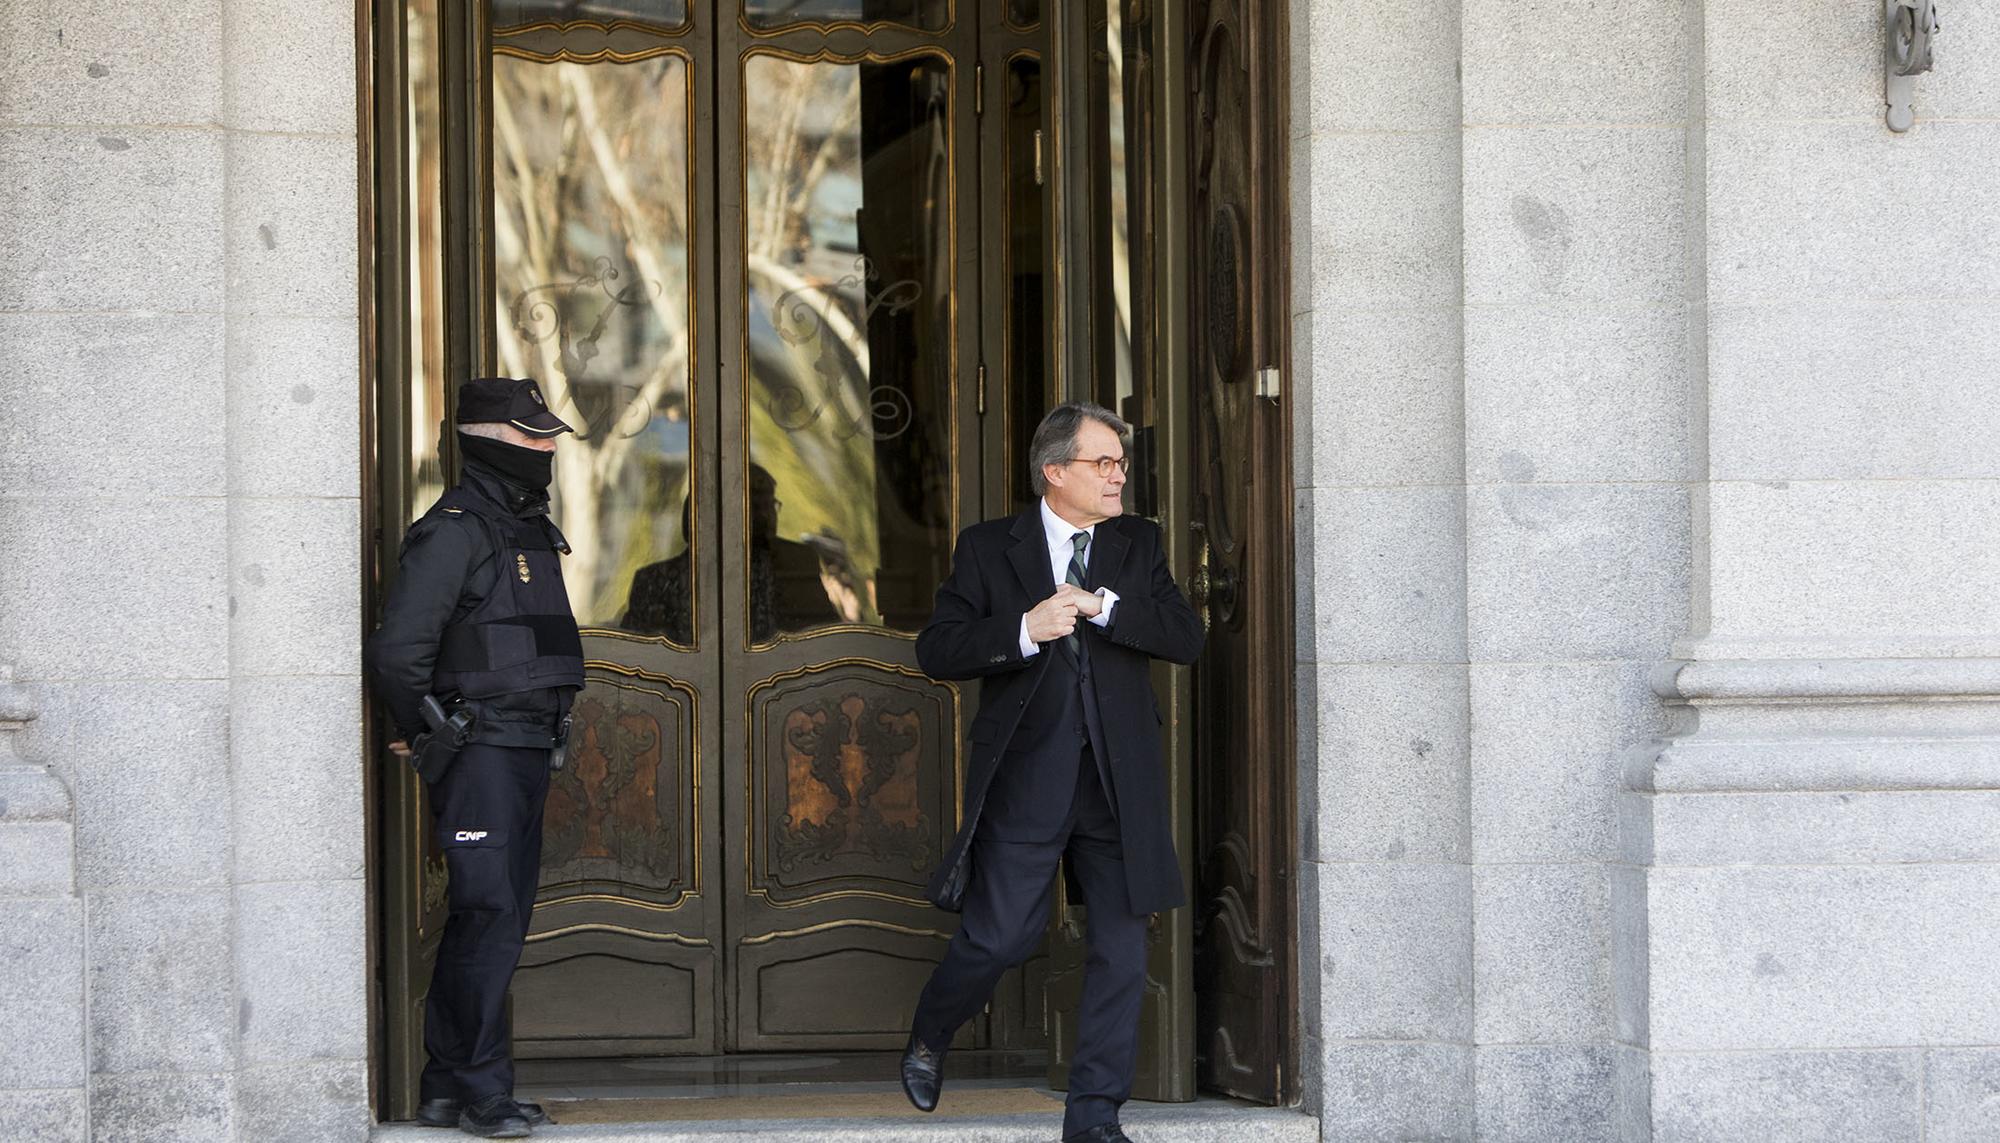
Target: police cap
x=516 y=401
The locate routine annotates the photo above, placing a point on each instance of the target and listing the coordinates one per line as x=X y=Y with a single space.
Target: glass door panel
x=849 y=342
x=424 y=211
x=1025 y=349
x=592 y=298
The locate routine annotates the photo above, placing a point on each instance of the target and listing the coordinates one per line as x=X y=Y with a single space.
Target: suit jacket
x=999 y=571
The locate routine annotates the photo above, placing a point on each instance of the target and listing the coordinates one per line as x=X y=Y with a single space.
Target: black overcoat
x=999 y=571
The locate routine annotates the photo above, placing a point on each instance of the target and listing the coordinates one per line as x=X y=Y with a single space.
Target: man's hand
x=1088 y=603
x=1053 y=617
x=400 y=748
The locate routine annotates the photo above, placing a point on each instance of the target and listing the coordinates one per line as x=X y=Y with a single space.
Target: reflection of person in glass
x=660 y=602
x=790 y=588
x=785 y=589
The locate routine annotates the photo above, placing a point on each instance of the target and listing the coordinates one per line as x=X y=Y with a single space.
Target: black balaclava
x=527 y=469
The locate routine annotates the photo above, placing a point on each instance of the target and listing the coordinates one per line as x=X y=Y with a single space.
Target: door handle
x=1198 y=578
x=1198 y=584
x=1210 y=587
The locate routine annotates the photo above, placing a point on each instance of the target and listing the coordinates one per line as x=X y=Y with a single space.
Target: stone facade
x=181 y=478
x=1649 y=646
x=1647 y=487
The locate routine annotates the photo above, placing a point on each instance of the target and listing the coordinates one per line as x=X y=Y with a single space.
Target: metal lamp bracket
x=1908 y=27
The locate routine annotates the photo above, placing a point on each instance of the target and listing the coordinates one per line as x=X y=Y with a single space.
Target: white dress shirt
x=1059 y=532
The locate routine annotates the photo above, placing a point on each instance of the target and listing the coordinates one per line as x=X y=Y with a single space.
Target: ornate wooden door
x=783 y=266
x=739 y=244
x=1243 y=582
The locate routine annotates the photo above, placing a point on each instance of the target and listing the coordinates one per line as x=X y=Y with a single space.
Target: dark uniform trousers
x=1012 y=885
x=488 y=812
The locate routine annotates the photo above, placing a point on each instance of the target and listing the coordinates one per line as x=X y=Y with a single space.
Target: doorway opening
x=804 y=274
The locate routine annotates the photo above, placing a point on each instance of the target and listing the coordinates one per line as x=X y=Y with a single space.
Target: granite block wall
x=1720 y=396
x=1387 y=882
x=1812 y=833
x=183 y=608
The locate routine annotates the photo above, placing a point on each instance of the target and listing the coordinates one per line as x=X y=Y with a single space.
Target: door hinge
x=1038 y=156
x=1270 y=383
x=982 y=389
x=979 y=88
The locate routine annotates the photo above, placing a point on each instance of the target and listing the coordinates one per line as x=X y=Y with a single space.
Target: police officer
x=478 y=617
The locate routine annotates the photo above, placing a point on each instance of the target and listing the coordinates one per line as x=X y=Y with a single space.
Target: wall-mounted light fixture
x=1908 y=27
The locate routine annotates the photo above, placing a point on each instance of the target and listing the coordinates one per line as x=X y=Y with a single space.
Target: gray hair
x=1055 y=438
x=493 y=429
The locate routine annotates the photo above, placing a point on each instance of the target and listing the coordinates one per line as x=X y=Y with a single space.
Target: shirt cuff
x=1103 y=616
x=1028 y=648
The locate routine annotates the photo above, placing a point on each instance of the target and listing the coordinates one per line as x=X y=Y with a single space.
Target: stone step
x=1207 y=1121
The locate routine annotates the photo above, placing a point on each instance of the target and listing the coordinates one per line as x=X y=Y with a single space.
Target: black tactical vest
x=522 y=637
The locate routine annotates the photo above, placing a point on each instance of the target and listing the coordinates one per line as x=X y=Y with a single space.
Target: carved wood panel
x=851 y=792
x=854 y=785
x=622 y=898
x=622 y=812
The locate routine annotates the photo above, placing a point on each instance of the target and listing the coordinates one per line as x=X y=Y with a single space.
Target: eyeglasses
x=1105 y=464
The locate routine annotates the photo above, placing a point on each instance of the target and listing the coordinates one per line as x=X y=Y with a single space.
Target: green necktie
x=1080 y=541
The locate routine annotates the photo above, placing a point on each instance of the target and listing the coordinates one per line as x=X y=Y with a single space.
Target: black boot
x=445 y=1112
x=923 y=1074
x=495 y=1117
x=439 y=1112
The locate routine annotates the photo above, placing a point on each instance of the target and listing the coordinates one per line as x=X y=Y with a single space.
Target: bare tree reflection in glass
x=848 y=316
x=592 y=297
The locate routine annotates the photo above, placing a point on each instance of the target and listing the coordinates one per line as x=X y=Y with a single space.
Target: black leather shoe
x=439 y=1112
x=495 y=1117
x=1102 y=1133
x=923 y=1074
x=445 y=1112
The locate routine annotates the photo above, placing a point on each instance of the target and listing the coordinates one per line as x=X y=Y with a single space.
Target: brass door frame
x=369 y=111
x=404 y=877
x=1175 y=450
x=406 y=874
x=996 y=381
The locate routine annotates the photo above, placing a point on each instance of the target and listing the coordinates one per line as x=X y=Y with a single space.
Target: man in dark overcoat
x=1059 y=612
